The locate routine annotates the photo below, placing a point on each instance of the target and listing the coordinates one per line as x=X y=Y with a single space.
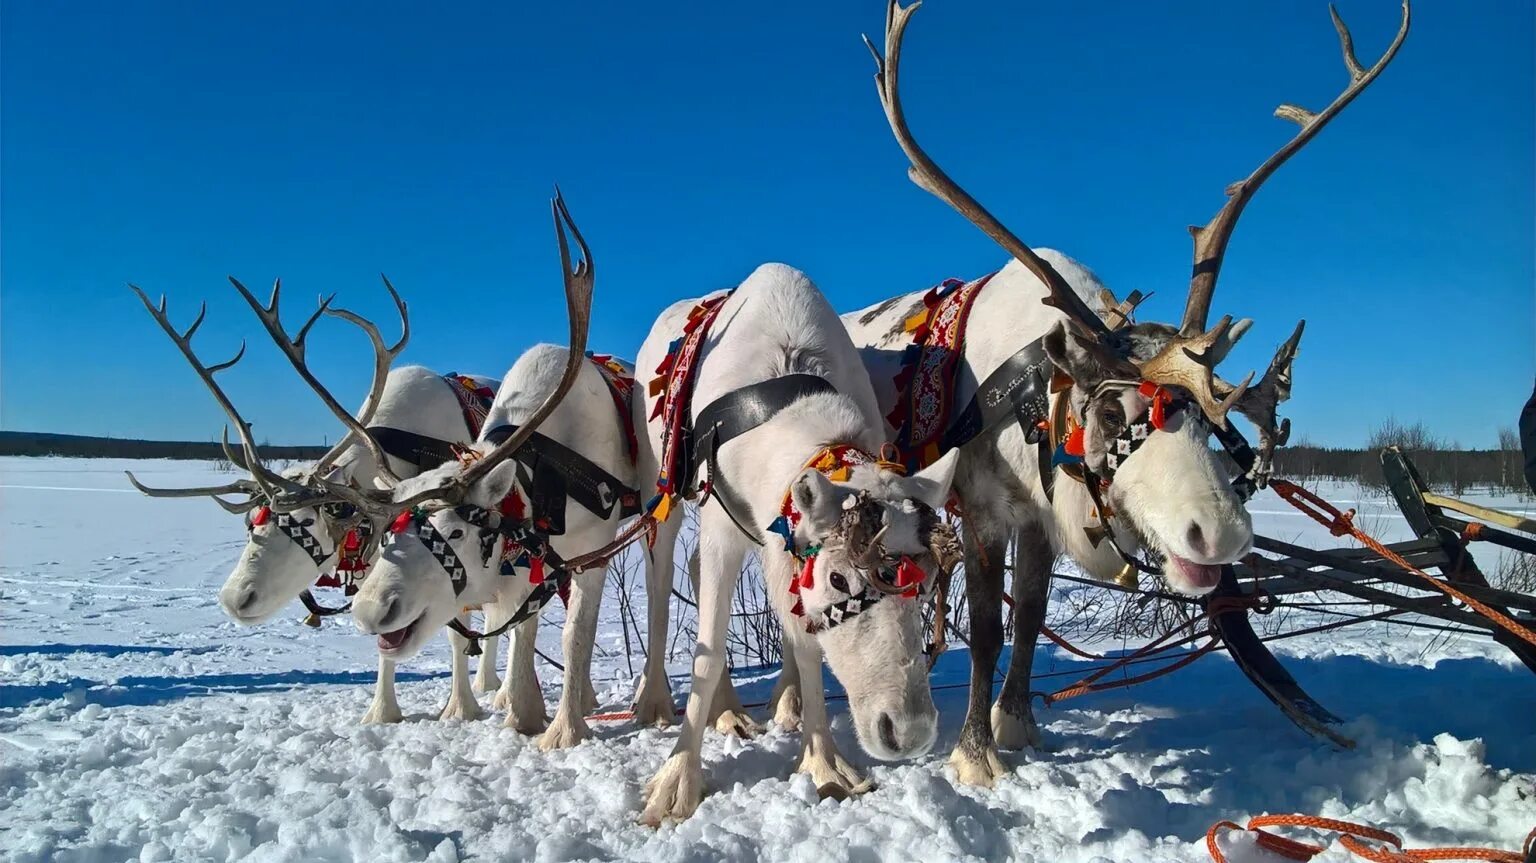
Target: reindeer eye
x=840 y=582
x=1112 y=417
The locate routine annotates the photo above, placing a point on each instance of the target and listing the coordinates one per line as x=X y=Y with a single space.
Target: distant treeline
x=1445 y=466
x=82 y=446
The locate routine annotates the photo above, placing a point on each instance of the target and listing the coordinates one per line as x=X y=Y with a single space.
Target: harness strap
x=1018 y=389
x=554 y=471
x=412 y=448
x=737 y=413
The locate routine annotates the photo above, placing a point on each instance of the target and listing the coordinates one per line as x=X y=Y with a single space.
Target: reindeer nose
x=246 y=599
x=887 y=731
x=1195 y=536
x=391 y=608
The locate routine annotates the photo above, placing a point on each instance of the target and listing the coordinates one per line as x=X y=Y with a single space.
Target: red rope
x=1343 y=524
x=1354 y=837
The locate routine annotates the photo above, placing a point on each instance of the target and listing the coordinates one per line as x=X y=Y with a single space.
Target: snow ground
x=137 y=723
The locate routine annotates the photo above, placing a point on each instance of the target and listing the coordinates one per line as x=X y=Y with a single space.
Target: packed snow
x=138 y=723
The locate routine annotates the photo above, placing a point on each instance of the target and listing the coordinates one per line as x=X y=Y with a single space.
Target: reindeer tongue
x=392 y=640
x=1191 y=577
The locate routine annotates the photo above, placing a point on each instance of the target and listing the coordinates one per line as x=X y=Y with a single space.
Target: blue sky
x=172 y=143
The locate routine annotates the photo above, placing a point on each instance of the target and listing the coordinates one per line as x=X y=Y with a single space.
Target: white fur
x=1170 y=484
x=408 y=590
x=778 y=323
x=272 y=570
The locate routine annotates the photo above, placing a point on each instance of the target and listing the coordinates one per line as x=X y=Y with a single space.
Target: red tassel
x=401 y=522
x=807 y=580
x=328 y=580
x=536 y=570
x=262 y=514
x=909 y=574
x=353 y=542
x=1074 y=443
x=799 y=609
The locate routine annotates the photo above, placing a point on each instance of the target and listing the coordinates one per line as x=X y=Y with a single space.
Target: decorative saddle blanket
x=674 y=383
x=475 y=399
x=621 y=384
x=925 y=386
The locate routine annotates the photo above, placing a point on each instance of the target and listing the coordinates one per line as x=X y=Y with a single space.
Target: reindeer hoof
x=979 y=769
x=737 y=724
x=377 y=715
x=675 y=792
x=487 y=683
x=564 y=734
x=835 y=778
x=786 y=709
x=465 y=709
x=653 y=706
x=1014 y=732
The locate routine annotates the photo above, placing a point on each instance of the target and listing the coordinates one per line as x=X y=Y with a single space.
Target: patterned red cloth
x=674 y=382
x=925 y=387
x=621 y=385
x=475 y=400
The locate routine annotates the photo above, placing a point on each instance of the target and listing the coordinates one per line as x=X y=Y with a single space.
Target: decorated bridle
x=905 y=576
x=1162 y=405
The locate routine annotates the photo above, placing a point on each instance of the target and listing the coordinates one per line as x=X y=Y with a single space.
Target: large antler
x=579 y=281
x=1260 y=403
x=263 y=481
x=1189 y=359
x=925 y=173
x=294 y=348
x=1211 y=240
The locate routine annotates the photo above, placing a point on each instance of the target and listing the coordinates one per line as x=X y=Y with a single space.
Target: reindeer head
x=299 y=520
x=878 y=546
x=1147 y=397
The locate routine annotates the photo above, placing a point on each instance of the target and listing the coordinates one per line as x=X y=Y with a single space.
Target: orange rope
x=1343 y=524
x=1352 y=836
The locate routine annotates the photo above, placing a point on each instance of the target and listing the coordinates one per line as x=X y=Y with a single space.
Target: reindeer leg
x=833 y=775
x=520 y=694
x=975 y=754
x=384 y=709
x=570 y=725
x=653 y=697
x=461 y=698
x=485 y=675
x=1013 y=720
x=678 y=787
x=785 y=703
x=728 y=715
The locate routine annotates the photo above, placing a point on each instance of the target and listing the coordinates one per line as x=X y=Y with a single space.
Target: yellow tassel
x=930 y=454
x=313 y=620
x=840 y=474
x=664 y=508
x=657 y=385
x=915 y=321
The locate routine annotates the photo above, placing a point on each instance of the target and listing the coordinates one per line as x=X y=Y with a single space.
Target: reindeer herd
x=1082 y=433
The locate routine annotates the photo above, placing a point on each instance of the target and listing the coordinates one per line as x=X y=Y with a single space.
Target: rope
x=1354 y=838
x=1343 y=524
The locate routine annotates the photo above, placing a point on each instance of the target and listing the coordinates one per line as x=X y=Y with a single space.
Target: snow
x=137 y=723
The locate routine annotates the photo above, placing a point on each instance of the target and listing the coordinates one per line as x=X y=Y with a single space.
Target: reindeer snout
x=380 y=616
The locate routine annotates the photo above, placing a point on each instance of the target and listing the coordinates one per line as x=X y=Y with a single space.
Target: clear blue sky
x=172 y=143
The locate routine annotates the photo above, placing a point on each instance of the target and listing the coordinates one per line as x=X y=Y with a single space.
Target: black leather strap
x=412 y=448
x=1019 y=388
x=552 y=471
x=735 y=414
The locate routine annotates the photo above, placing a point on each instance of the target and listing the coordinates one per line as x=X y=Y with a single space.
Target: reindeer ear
x=495 y=485
x=819 y=500
x=1075 y=356
x=931 y=484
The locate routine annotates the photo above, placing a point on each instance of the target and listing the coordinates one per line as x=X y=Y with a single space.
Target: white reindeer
x=774 y=325
x=444 y=550
x=287 y=551
x=1164 y=487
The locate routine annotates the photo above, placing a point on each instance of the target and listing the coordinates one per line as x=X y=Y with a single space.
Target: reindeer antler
x=926 y=174
x=263 y=481
x=1260 y=403
x=579 y=282
x=294 y=348
x=1190 y=358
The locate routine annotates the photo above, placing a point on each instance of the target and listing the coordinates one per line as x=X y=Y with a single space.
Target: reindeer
x=445 y=547
x=1145 y=396
x=287 y=551
x=779 y=367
